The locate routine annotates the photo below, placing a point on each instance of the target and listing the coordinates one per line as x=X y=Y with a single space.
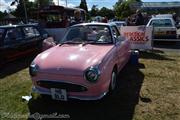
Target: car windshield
x=161 y=23
x=1 y=33
x=88 y=34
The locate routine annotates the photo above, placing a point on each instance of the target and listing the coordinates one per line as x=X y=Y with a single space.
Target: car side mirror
x=120 y=38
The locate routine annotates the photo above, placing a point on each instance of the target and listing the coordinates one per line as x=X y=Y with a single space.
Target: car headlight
x=92 y=74
x=33 y=69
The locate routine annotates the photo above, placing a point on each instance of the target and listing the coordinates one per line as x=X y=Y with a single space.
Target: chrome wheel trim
x=113 y=80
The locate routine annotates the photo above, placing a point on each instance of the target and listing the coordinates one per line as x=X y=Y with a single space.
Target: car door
x=2 y=50
x=13 y=43
x=120 y=47
x=32 y=39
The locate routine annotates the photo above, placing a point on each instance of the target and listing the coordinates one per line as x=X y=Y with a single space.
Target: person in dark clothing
x=77 y=18
x=146 y=19
x=105 y=20
x=64 y=22
x=139 y=20
x=175 y=18
x=128 y=21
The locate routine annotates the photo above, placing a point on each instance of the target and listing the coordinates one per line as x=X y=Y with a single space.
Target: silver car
x=164 y=27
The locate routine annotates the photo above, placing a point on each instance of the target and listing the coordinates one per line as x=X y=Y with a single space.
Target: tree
x=26 y=7
x=2 y=14
x=94 y=11
x=83 y=5
x=106 y=12
x=124 y=8
x=21 y=10
x=43 y=2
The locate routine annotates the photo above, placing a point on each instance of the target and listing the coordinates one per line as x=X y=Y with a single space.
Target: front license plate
x=59 y=94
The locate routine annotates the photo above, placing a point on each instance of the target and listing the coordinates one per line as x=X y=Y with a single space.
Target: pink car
x=84 y=65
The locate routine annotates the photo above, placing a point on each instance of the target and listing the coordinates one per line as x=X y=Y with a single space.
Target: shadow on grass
x=15 y=66
x=118 y=106
x=154 y=54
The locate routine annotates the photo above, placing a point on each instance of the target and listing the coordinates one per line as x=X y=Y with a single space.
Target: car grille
x=61 y=85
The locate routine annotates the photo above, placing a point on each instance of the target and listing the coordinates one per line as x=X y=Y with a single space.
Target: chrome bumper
x=47 y=92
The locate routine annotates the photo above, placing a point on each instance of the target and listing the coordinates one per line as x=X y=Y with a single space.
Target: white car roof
x=163 y=16
x=160 y=18
x=95 y=23
x=157 y=18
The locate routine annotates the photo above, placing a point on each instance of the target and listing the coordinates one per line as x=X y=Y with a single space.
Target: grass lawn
x=150 y=91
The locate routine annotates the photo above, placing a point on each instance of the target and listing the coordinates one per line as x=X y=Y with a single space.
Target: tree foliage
x=83 y=5
x=2 y=15
x=101 y=12
x=123 y=8
x=20 y=10
x=94 y=11
x=43 y=2
x=30 y=7
x=106 y=12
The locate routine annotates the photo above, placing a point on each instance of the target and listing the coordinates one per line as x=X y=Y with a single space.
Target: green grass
x=162 y=85
x=11 y=90
x=158 y=98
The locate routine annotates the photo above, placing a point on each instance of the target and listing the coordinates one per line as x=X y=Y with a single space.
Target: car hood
x=71 y=59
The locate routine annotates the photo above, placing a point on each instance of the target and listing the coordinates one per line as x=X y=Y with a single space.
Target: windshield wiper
x=69 y=42
x=88 y=42
x=77 y=42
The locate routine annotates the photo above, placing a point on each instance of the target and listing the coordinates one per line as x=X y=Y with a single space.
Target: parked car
x=163 y=16
x=178 y=26
x=20 y=40
x=178 y=30
x=84 y=65
x=164 y=27
x=120 y=24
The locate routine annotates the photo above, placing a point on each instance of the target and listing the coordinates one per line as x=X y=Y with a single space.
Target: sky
x=5 y=4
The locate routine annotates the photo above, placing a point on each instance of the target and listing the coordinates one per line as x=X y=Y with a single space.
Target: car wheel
x=113 y=82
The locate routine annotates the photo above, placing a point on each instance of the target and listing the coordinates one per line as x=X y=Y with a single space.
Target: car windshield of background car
x=91 y=34
x=162 y=23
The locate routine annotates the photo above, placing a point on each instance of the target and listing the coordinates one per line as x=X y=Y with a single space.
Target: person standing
x=77 y=18
x=128 y=21
x=139 y=20
x=146 y=18
x=105 y=20
x=175 y=18
x=65 y=22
